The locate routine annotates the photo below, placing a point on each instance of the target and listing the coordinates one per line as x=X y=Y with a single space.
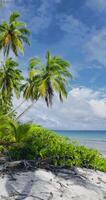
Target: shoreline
x=90 y=139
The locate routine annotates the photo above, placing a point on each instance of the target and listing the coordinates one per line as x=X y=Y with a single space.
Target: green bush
x=34 y=142
x=7 y=132
x=7 y=129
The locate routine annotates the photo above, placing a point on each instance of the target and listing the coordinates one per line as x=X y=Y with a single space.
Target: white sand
x=44 y=185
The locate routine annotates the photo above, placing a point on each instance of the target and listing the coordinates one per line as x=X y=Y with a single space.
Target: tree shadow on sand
x=21 y=187
x=23 y=190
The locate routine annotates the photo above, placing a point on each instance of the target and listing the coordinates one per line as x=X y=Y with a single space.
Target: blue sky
x=75 y=30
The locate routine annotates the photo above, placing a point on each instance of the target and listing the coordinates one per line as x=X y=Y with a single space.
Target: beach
x=91 y=139
x=58 y=184
x=79 y=184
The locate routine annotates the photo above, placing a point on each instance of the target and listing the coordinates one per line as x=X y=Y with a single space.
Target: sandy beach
x=80 y=184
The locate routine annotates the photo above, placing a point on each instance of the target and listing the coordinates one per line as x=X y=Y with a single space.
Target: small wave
x=87 y=140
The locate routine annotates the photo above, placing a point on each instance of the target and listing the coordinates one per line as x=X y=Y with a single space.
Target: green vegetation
x=12 y=35
x=43 y=79
x=46 y=79
x=29 y=141
x=10 y=82
x=33 y=142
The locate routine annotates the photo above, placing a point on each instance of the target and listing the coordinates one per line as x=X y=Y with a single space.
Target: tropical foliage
x=12 y=35
x=36 y=143
x=30 y=141
x=46 y=79
x=7 y=129
x=10 y=82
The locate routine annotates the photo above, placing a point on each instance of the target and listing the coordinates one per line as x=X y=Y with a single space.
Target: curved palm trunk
x=16 y=108
x=19 y=116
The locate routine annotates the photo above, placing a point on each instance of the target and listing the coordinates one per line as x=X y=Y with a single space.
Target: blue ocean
x=92 y=139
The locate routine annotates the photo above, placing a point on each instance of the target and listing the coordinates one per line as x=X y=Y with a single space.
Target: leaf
x=34 y=72
x=17 y=92
x=42 y=88
x=3 y=26
x=14 y=48
x=25 y=39
x=17 y=33
x=33 y=62
x=11 y=62
x=24 y=31
x=27 y=90
x=14 y=15
x=19 y=23
x=19 y=45
x=48 y=55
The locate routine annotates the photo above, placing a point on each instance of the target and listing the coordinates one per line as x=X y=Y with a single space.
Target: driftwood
x=7 y=144
x=10 y=167
x=23 y=165
x=44 y=163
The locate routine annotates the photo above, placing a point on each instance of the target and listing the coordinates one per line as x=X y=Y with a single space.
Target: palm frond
x=25 y=39
x=24 y=31
x=34 y=62
x=13 y=34
x=19 y=23
x=13 y=17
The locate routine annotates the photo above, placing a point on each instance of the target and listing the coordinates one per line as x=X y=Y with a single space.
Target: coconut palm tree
x=46 y=79
x=13 y=34
x=7 y=126
x=10 y=81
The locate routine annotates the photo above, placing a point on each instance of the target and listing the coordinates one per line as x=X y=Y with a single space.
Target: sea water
x=92 y=139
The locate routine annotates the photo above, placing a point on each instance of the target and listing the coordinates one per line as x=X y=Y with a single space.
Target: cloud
x=96 y=47
x=37 y=14
x=72 y=25
x=99 y=107
x=43 y=16
x=99 y=5
x=41 y=20
x=69 y=22
x=71 y=46
x=83 y=109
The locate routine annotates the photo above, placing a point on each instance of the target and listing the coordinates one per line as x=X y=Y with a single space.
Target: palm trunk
x=16 y=108
x=25 y=110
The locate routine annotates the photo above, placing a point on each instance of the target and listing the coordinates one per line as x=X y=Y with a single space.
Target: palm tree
x=12 y=35
x=7 y=126
x=46 y=79
x=10 y=82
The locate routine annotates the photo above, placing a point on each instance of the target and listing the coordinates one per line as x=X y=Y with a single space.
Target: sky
x=76 y=31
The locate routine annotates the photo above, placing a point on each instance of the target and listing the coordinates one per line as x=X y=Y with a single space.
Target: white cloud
x=70 y=24
x=99 y=5
x=96 y=47
x=83 y=93
x=88 y=44
x=76 y=34
x=83 y=109
x=43 y=16
x=99 y=107
x=40 y=17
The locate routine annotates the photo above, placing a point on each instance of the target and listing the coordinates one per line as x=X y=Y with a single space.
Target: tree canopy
x=48 y=78
x=13 y=34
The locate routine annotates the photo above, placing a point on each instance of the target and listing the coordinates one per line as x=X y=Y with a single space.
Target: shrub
x=7 y=129
x=34 y=142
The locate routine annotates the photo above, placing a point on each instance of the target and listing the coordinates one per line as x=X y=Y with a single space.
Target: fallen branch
x=7 y=144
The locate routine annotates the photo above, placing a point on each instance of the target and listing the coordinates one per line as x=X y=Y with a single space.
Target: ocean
x=92 y=139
